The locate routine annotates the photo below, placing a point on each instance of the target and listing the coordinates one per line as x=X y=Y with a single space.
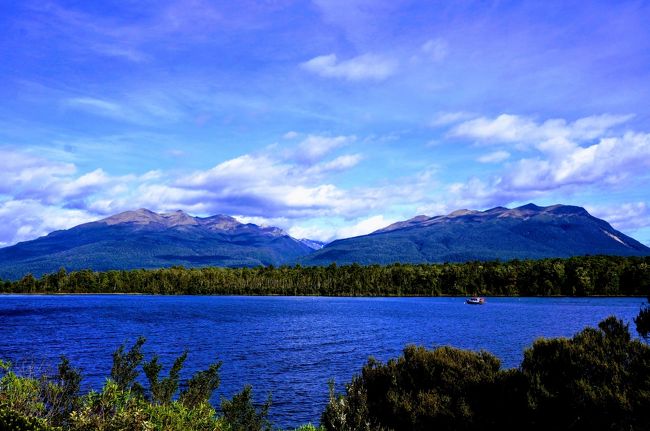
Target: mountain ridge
x=525 y=232
x=145 y=239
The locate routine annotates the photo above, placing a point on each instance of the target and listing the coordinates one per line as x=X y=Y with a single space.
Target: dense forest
x=576 y=276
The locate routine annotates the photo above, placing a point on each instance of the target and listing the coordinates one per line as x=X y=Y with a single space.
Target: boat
x=475 y=300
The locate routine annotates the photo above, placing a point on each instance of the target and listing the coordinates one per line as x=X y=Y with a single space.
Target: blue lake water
x=291 y=346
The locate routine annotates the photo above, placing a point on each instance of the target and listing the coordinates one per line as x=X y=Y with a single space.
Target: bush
x=40 y=404
x=241 y=415
x=642 y=322
x=14 y=421
x=599 y=379
x=445 y=388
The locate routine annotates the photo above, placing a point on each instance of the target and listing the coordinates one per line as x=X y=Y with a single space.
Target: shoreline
x=305 y=296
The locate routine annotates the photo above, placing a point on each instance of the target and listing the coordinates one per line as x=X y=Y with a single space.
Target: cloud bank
x=296 y=184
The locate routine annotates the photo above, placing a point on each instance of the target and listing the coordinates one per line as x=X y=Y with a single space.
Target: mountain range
x=145 y=239
x=526 y=232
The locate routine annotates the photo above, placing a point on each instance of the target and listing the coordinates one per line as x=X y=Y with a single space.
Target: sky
x=327 y=118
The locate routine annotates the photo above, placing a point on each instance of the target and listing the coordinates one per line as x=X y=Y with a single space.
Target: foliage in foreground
x=599 y=379
x=642 y=321
x=49 y=403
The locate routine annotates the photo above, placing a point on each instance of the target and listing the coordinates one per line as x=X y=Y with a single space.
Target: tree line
x=575 y=276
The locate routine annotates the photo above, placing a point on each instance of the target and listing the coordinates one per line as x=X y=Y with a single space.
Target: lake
x=291 y=346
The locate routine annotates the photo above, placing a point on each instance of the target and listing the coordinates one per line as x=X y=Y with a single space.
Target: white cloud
x=273 y=185
x=505 y=128
x=23 y=220
x=142 y=109
x=518 y=129
x=494 y=157
x=330 y=230
x=175 y=152
x=290 y=135
x=365 y=226
x=363 y=67
x=447 y=118
x=280 y=222
x=23 y=175
x=84 y=184
x=340 y=163
x=609 y=163
x=561 y=157
x=237 y=173
x=98 y=106
x=435 y=49
x=292 y=187
x=124 y=52
x=625 y=216
x=313 y=148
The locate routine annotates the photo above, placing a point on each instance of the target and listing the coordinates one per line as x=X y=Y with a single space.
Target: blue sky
x=326 y=118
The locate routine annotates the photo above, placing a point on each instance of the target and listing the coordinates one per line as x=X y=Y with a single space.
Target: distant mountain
x=529 y=231
x=145 y=239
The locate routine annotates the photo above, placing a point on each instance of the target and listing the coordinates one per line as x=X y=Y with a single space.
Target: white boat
x=475 y=300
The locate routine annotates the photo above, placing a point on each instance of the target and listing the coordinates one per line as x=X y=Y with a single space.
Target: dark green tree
x=162 y=391
x=596 y=380
x=60 y=394
x=201 y=386
x=125 y=366
x=642 y=321
x=442 y=389
x=241 y=414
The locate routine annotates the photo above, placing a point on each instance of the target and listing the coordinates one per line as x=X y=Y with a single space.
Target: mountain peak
x=144 y=216
x=178 y=218
x=402 y=224
x=463 y=212
x=530 y=206
x=139 y=216
x=220 y=222
x=567 y=209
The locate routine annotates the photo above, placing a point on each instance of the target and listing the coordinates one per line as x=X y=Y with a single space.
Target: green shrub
x=113 y=409
x=162 y=391
x=21 y=394
x=13 y=421
x=29 y=403
x=445 y=388
x=241 y=415
x=642 y=322
x=599 y=379
x=125 y=366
